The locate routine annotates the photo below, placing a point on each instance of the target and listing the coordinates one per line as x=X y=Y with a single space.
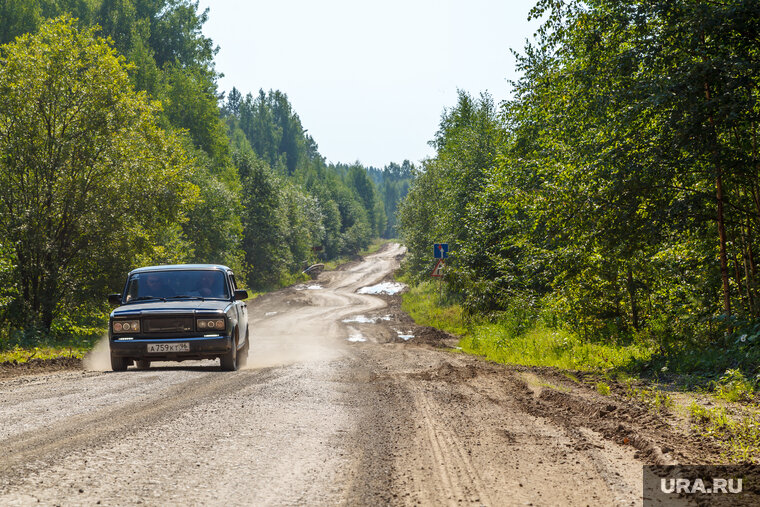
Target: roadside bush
x=734 y=386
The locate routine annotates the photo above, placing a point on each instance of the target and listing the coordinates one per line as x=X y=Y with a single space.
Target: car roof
x=181 y=267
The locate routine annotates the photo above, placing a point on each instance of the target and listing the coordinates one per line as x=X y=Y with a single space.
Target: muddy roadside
x=659 y=433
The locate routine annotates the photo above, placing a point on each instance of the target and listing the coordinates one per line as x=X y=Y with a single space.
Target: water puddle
x=405 y=336
x=389 y=288
x=356 y=337
x=361 y=319
x=308 y=287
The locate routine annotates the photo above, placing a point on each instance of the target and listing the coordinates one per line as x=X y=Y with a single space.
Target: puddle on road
x=389 y=288
x=361 y=319
x=308 y=287
x=356 y=337
x=406 y=337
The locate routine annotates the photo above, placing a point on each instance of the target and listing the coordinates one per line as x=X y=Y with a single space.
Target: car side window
x=232 y=280
x=132 y=288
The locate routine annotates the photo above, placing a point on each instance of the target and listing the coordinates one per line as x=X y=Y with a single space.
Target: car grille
x=168 y=325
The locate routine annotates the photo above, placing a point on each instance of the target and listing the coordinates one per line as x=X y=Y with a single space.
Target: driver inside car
x=156 y=286
x=209 y=286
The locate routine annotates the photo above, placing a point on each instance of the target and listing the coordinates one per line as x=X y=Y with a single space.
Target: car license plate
x=168 y=347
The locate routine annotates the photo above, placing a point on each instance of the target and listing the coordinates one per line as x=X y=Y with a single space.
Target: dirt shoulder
x=10 y=369
x=570 y=399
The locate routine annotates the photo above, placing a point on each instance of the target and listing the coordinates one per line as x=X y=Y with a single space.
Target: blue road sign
x=441 y=250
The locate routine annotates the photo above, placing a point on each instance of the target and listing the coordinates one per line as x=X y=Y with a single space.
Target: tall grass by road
x=506 y=341
x=529 y=341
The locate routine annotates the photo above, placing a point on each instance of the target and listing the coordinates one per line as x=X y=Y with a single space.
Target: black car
x=179 y=312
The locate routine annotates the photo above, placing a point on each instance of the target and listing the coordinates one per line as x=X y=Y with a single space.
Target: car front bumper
x=203 y=347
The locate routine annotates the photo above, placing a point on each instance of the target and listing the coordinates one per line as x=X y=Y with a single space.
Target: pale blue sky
x=369 y=80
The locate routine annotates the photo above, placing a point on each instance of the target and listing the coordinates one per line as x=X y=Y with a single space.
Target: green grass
x=740 y=434
x=603 y=388
x=423 y=303
x=288 y=279
x=542 y=346
x=728 y=369
x=734 y=386
x=24 y=354
x=538 y=346
x=654 y=399
x=71 y=335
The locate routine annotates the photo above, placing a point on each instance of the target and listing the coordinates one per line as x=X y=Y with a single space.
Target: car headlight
x=126 y=326
x=212 y=324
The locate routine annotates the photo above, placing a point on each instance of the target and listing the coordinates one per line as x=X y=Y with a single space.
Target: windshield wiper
x=185 y=296
x=145 y=298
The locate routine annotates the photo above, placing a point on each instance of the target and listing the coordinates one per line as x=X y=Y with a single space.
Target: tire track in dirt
x=108 y=424
x=470 y=444
x=460 y=478
x=606 y=459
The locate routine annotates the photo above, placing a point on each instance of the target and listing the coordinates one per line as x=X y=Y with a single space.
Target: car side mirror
x=241 y=294
x=114 y=299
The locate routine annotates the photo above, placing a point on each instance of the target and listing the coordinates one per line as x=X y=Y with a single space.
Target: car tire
x=229 y=361
x=119 y=363
x=142 y=364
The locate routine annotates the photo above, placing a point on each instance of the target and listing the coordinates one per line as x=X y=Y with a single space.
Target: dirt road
x=365 y=412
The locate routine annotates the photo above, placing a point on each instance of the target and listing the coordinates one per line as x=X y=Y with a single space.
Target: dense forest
x=617 y=193
x=118 y=150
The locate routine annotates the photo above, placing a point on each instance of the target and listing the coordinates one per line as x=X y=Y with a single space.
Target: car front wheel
x=229 y=361
x=119 y=363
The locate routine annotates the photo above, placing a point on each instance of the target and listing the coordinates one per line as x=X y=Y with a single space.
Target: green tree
x=360 y=182
x=213 y=227
x=84 y=165
x=265 y=223
x=342 y=204
x=618 y=190
x=189 y=100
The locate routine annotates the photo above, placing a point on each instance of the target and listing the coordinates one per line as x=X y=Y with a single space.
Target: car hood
x=159 y=307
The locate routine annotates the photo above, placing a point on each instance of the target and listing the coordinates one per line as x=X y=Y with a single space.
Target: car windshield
x=177 y=284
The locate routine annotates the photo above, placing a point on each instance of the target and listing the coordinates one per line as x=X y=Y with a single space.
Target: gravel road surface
x=370 y=411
